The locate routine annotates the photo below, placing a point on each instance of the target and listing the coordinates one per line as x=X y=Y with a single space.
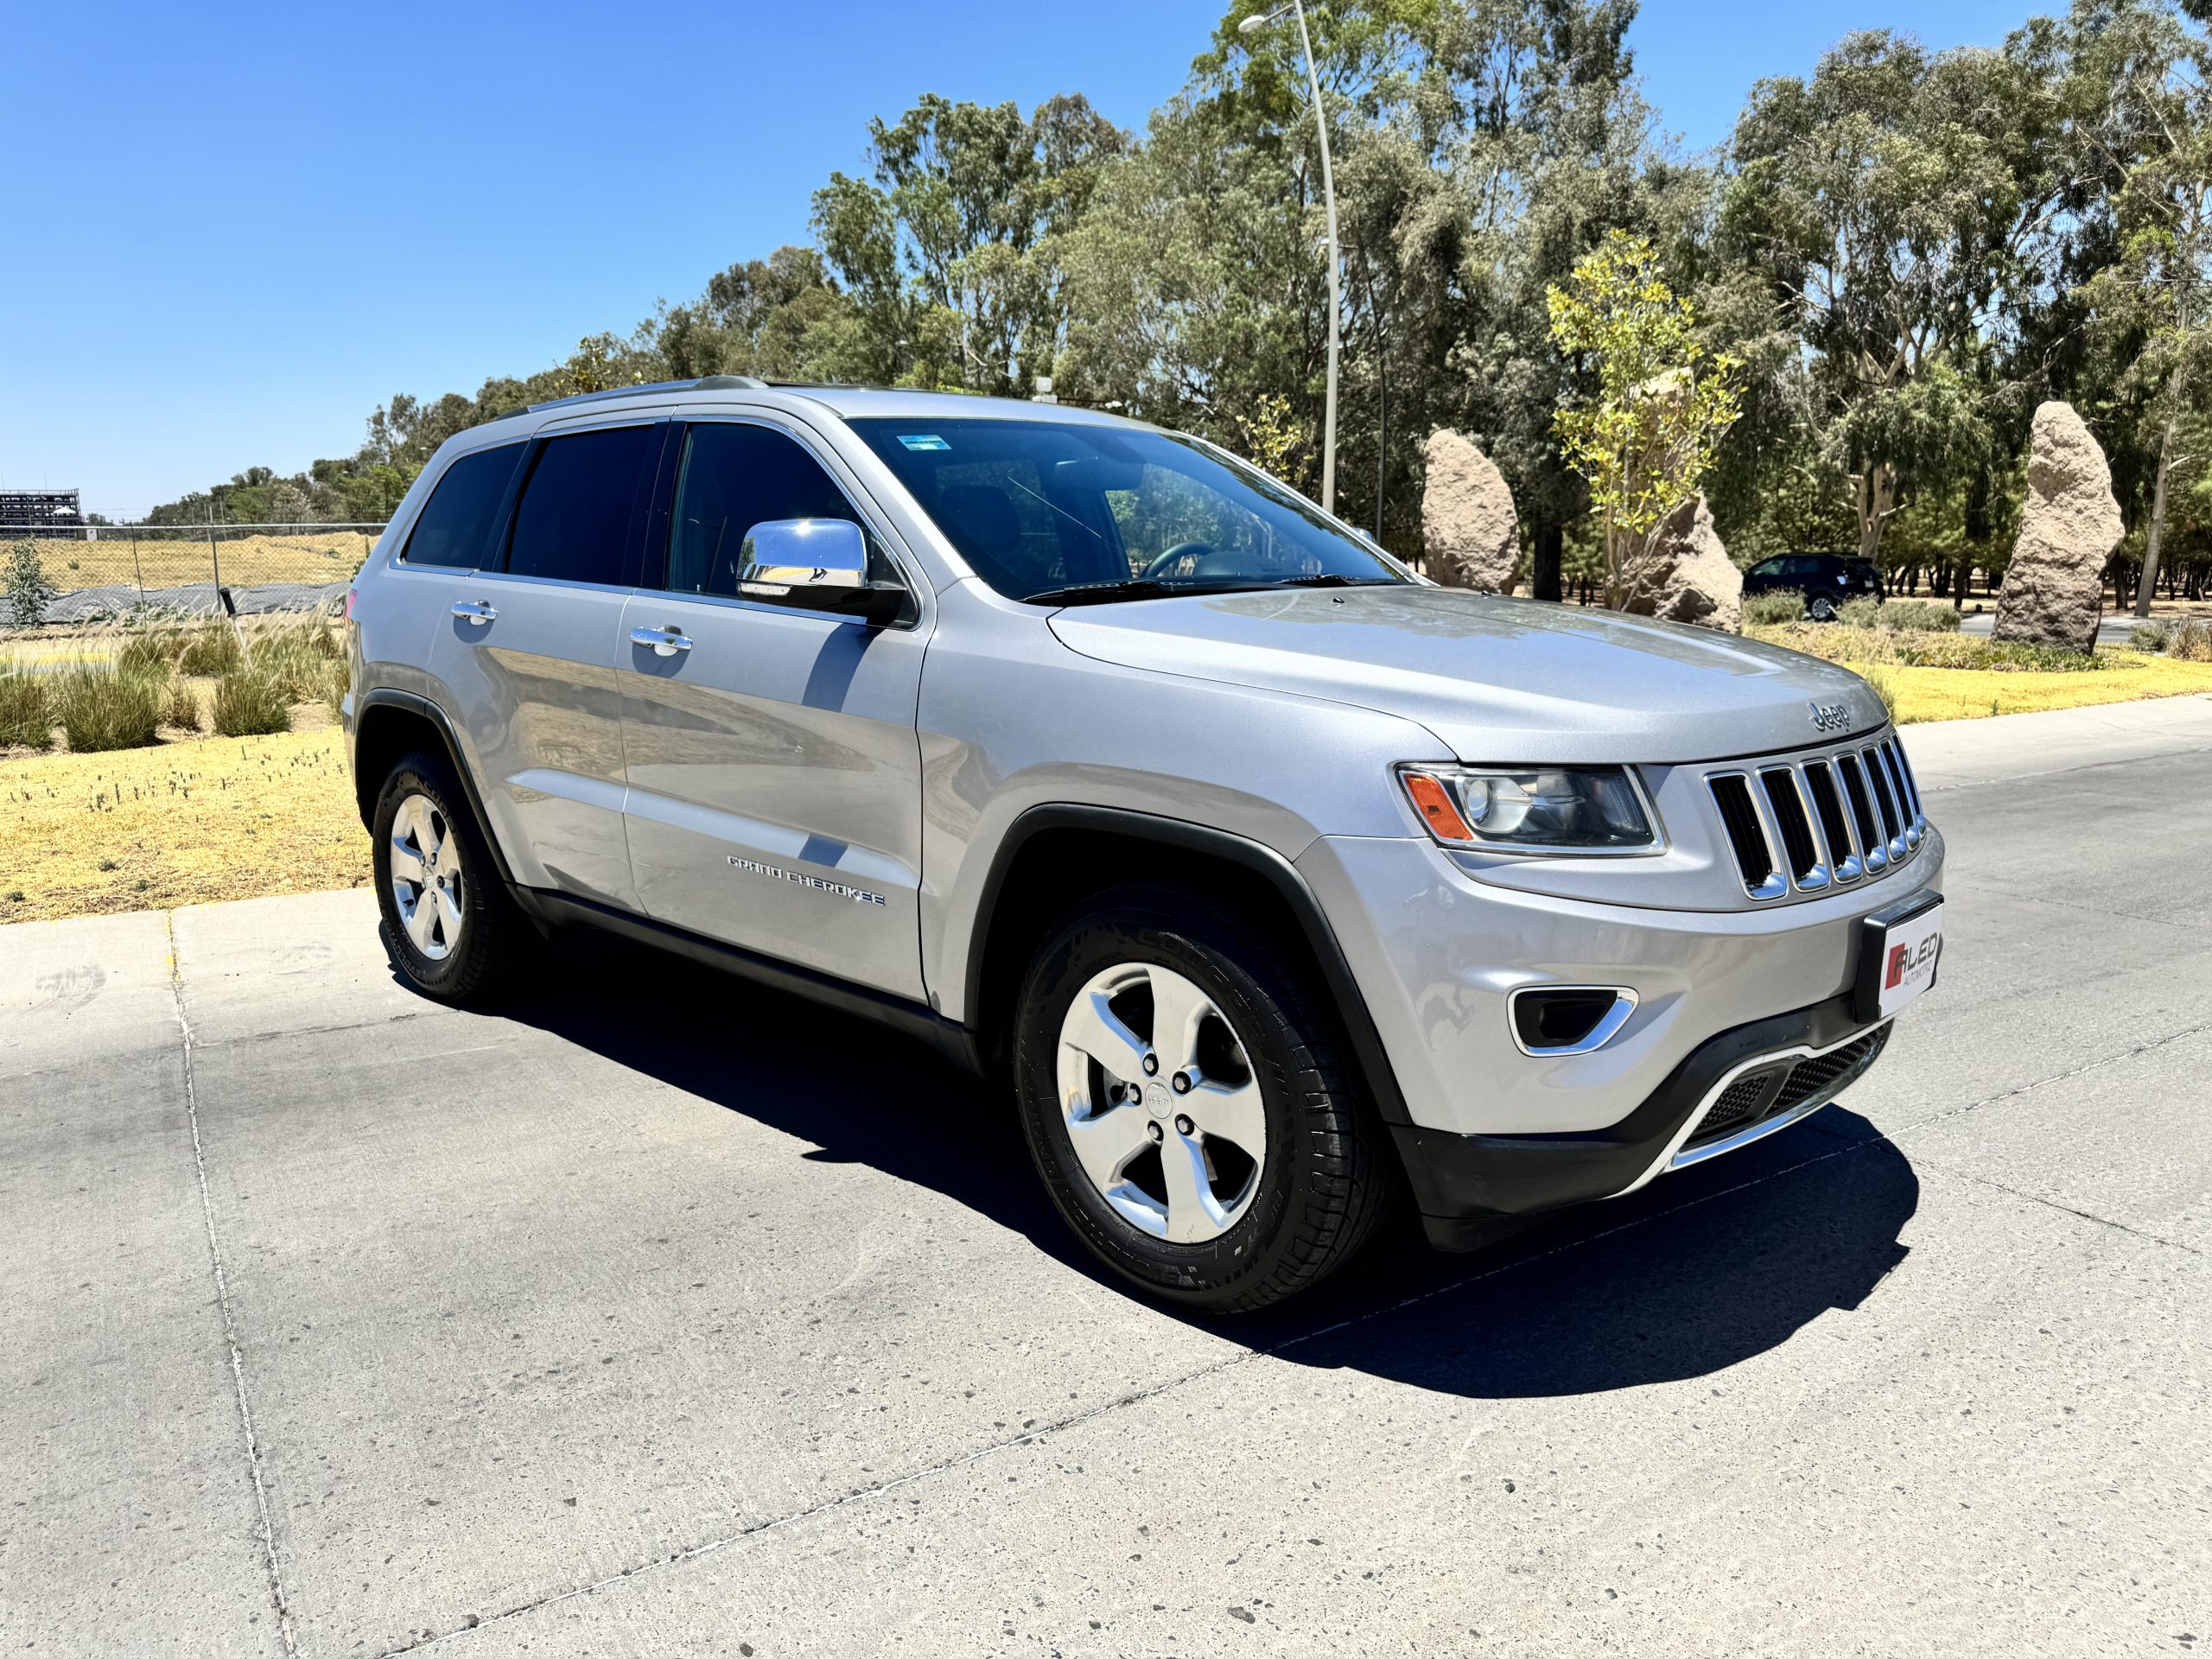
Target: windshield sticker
x=923 y=441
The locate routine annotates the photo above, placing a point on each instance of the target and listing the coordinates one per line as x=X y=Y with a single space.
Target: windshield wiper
x=1328 y=581
x=1110 y=593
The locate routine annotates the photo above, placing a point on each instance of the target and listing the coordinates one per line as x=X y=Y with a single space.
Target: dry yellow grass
x=185 y=822
x=174 y=557
x=1975 y=694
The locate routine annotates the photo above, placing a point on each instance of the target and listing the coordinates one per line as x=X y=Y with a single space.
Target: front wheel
x=1181 y=1093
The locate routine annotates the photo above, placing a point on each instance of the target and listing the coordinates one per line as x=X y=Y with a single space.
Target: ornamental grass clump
x=211 y=648
x=2191 y=643
x=296 y=658
x=99 y=708
x=26 y=712
x=182 y=704
x=250 y=704
x=149 y=649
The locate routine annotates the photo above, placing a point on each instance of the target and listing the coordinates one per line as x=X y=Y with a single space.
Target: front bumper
x=1733 y=1089
x=1490 y=1131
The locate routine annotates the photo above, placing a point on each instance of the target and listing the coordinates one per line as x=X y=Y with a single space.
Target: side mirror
x=817 y=564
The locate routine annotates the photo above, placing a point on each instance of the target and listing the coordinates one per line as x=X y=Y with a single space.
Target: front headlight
x=1532 y=808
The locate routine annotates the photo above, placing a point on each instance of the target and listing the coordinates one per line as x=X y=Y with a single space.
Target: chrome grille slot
x=1836 y=823
x=1747 y=835
x=1787 y=802
x=1907 y=786
x=1893 y=824
x=1862 y=813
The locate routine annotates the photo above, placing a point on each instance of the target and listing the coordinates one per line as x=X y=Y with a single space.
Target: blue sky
x=259 y=222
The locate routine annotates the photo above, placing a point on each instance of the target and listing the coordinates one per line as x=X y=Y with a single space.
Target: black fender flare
x=1182 y=836
x=423 y=708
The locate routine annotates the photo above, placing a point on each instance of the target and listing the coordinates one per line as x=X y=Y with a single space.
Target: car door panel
x=534 y=691
x=774 y=779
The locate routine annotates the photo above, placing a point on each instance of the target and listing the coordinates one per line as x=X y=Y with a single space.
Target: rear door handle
x=665 y=642
x=478 y=611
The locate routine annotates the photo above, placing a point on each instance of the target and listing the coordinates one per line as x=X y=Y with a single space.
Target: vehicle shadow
x=1698 y=1271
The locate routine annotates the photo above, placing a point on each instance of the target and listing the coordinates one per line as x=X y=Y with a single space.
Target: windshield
x=1062 y=513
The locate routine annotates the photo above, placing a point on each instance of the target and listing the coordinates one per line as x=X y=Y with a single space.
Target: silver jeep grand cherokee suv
x=1277 y=879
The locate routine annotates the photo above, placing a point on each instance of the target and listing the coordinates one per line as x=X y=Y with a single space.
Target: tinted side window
x=456 y=520
x=733 y=477
x=1767 y=568
x=573 y=522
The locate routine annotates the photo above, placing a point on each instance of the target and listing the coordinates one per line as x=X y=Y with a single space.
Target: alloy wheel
x=1161 y=1103
x=426 y=876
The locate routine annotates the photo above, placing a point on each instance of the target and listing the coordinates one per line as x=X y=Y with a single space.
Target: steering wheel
x=1197 y=552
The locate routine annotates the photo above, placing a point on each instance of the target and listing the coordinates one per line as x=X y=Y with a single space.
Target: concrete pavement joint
x=2053 y=1204
x=2093 y=910
x=223 y=1296
x=2068 y=1075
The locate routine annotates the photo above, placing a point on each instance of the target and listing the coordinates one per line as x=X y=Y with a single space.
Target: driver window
x=1169 y=512
x=734 y=476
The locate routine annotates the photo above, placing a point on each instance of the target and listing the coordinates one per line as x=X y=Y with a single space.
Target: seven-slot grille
x=1804 y=824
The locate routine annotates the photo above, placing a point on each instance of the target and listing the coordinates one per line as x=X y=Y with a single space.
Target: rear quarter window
x=456 y=521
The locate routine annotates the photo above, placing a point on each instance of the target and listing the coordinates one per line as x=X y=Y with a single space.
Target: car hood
x=1497 y=680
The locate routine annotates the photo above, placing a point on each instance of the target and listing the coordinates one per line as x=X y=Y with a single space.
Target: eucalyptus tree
x=1898 y=205
x=950 y=252
x=2149 y=296
x=1481 y=147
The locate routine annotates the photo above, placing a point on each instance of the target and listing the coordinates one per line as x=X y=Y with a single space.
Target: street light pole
x=1252 y=25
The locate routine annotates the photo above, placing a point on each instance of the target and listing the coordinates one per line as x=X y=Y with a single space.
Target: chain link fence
x=107 y=573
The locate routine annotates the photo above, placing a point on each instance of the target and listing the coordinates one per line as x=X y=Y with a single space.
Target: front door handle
x=478 y=611
x=665 y=642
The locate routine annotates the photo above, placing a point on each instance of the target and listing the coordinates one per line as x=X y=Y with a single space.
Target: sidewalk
x=1950 y=753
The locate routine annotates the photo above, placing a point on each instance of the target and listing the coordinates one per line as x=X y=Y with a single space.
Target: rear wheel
x=1823 y=608
x=1182 y=1095
x=447 y=921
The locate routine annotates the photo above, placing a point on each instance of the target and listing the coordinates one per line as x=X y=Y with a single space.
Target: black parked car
x=1826 y=580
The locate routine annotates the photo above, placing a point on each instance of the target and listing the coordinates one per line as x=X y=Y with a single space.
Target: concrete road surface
x=662 y=1316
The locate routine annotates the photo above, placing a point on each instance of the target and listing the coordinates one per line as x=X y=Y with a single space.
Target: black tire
x=1823 y=609
x=1324 y=1181
x=481 y=959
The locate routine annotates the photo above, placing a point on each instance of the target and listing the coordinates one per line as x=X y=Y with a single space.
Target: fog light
x=1553 y=1020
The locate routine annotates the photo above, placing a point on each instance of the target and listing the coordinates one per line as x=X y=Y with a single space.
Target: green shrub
x=1860 y=646
x=1766 y=610
x=1860 y=612
x=248 y=704
x=337 y=680
x=211 y=648
x=183 y=705
x=29 y=592
x=2192 y=643
x=26 y=712
x=100 y=709
x=1918 y=616
x=2150 y=636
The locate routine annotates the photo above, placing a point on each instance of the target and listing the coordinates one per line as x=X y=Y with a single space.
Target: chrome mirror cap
x=786 y=555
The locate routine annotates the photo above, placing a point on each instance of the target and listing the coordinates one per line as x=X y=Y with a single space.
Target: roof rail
x=709 y=383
